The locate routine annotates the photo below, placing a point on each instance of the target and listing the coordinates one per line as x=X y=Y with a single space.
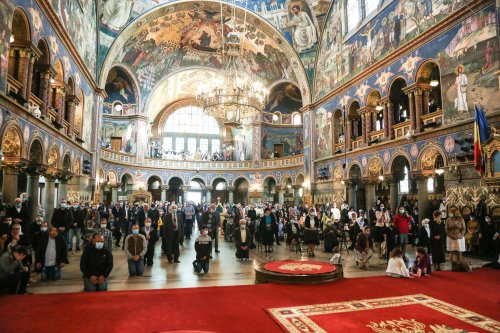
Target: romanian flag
x=481 y=134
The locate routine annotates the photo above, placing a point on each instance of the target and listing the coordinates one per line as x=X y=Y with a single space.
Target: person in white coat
x=396 y=266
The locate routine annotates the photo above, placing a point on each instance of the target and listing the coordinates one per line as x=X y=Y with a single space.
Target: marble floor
x=224 y=269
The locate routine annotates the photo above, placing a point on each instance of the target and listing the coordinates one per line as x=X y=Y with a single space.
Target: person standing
x=96 y=264
x=190 y=212
x=51 y=255
x=311 y=236
x=78 y=216
x=211 y=219
x=242 y=240
x=106 y=233
x=19 y=213
x=135 y=249
x=62 y=219
x=172 y=226
x=455 y=241
x=402 y=222
x=437 y=240
x=266 y=229
x=151 y=235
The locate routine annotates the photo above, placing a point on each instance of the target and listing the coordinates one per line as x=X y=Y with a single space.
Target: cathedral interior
x=294 y=104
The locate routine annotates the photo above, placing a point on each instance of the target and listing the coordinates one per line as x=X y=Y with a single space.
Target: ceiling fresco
x=182 y=35
x=301 y=26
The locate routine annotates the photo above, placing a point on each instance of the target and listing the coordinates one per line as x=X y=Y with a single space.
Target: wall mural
x=40 y=28
x=396 y=24
x=79 y=18
x=242 y=148
x=299 y=21
x=6 y=12
x=285 y=98
x=322 y=133
x=467 y=69
x=177 y=37
x=290 y=138
x=120 y=88
x=125 y=129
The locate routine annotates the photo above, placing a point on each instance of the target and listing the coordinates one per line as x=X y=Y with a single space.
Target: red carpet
x=231 y=309
x=299 y=267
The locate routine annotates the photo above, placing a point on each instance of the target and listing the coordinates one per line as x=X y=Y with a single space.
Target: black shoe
x=177 y=261
x=210 y=257
x=170 y=261
x=278 y=243
x=217 y=251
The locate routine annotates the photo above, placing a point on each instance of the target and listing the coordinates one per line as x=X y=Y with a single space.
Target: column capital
x=230 y=188
x=13 y=165
x=72 y=99
x=208 y=188
x=164 y=187
x=419 y=177
x=36 y=169
x=64 y=177
x=49 y=177
x=185 y=188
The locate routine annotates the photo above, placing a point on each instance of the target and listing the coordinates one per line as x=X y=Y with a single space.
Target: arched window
x=404 y=184
x=297 y=119
x=370 y=6
x=189 y=129
x=430 y=185
x=353 y=14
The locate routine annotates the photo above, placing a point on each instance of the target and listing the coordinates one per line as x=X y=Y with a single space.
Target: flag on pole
x=481 y=134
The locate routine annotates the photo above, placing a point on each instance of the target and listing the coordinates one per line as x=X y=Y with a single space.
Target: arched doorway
x=356 y=191
x=241 y=187
x=127 y=183
x=175 y=189
x=429 y=73
x=270 y=193
x=356 y=129
x=402 y=185
x=299 y=190
x=400 y=101
x=195 y=194
x=154 y=186
x=219 y=192
x=288 y=197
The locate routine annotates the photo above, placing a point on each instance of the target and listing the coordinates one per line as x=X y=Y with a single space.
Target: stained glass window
x=191 y=119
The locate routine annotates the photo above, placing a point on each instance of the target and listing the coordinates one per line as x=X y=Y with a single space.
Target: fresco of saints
x=304 y=36
x=115 y=13
x=461 y=84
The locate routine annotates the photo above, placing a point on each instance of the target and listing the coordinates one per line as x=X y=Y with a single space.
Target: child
x=203 y=247
x=336 y=259
x=396 y=266
x=422 y=264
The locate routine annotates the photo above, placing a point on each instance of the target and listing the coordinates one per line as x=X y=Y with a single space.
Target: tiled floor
x=224 y=270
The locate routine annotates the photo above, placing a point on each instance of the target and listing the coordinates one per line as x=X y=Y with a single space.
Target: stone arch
x=355 y=170
x=44 y=48
x=220 y=177
x=372 y=98
x=66 y=162
x=284 y=177
x=59 y=67
x=169 y=179
x=269 y=177
x=35 y=150
x=427 y=157
x=13 y=141
x=240 y=177
x=128 y=176
x=299 y=179
x=400 y=153
x=133 y=83
x=398 y=162
x=21 y=29
x=53 y=156
x=429 y=73
x=198 y=177
x=155 y=175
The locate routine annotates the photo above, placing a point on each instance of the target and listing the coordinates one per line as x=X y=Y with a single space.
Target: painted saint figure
x=115 y=13
x=461 y=83
x=304 y=35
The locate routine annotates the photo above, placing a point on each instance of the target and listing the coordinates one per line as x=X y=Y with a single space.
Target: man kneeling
x=203 y=247
x=96 y=264
x=242 y=239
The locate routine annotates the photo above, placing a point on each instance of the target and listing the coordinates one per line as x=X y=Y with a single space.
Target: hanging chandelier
x=239 y=94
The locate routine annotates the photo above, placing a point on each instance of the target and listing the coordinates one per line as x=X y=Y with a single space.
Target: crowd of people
x=96 y=230
x=158 y=152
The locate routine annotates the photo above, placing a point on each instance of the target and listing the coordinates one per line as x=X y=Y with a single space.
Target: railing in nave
x=275 y=163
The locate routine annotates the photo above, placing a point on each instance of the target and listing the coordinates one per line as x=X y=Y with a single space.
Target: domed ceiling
x=184 y=35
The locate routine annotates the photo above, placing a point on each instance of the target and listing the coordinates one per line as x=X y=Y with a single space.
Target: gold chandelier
x=239 y=94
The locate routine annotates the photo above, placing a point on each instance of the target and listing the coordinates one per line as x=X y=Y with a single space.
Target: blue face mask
x=99 y=245
x=135 y=231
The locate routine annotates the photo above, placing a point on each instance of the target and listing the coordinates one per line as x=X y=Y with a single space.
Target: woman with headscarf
x=455 y=240
x=311 y=234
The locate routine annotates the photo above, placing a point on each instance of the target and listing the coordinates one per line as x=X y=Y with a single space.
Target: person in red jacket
x=402 y=222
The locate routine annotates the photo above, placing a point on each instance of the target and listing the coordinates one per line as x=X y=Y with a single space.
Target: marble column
x=368 y=125
x=114 y=194
x=348 y=135
x=45 y=91
x=72 y=102
x=281 y=197
x=230 y=190
x=393 y=195
x=390 y=120
x=164 y=189
x=296 y=193
x=29 y=83
x=208 y=194
x=364 y=120
x=351 y=194
x=425 y=102
x=185 y=190
x=62 y=191
x=413 y=119
x=48 y=196
x=418 y=108
x=386 y=123
x=33 y=184
x=9 y=184
x=370 y=197
x=423 y=198
x=60 y=103
x=23 y=68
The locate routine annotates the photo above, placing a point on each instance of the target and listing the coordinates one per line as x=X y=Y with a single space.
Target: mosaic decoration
x=6 y=11
x=323 y=133
x=120 y=88
x=290 y=138
x=301 y=318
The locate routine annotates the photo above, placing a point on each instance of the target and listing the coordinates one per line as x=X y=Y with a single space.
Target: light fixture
x=35 y=110
x=240 y=93
x=439 y=171
x=275 y=117
x=434 y=83
x=381 y=178
x=289 y=186
x=118 y=107
x=12 y=39
x=342 y=182
x=52 y=80
x=379 y=108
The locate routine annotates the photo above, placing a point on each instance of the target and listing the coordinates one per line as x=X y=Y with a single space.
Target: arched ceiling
x=184 y=35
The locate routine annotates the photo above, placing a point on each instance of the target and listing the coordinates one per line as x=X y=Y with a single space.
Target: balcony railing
x=357 y=143
x=120 y=157
x=401 y=129
x=432 y=120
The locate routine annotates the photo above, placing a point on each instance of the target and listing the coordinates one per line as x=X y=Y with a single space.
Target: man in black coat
x=150 y=232
x=173 y=225
x=19 y=214
x=242 y=240
x=62 y=219
x=51 y=255
x=96 y=265
x=211 y=219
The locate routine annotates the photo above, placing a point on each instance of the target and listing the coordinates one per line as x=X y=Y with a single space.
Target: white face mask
x=174 y=211
x=103 y=226
x=148 y=224
x=450 y=214
x=243 y=226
